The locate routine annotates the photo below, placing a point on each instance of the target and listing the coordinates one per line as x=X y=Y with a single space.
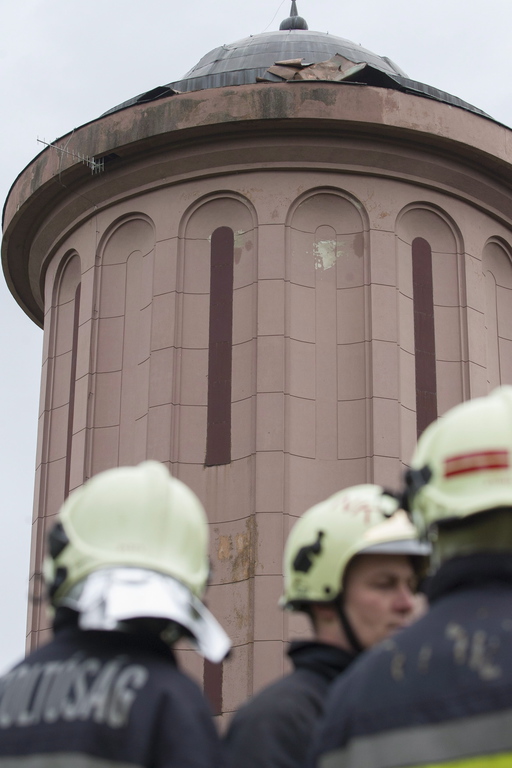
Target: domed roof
x=246 y=61
x=242 y=62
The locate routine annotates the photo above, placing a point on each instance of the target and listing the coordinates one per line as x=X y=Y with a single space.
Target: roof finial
x=294 y=21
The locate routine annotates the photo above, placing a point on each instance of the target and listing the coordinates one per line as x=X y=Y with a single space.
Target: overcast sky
x=64 y=63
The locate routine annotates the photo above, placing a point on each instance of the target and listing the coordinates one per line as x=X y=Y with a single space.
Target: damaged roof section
x=160 y=92
x=339 y=69
x=335 y=69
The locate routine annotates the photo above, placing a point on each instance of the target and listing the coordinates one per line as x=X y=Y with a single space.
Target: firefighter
x=353 y=571
x=440 y=693
x=126 y=570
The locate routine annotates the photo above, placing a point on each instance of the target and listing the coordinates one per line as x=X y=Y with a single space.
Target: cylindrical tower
x=270 y=280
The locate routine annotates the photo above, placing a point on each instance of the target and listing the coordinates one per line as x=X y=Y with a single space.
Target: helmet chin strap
x=350 y=634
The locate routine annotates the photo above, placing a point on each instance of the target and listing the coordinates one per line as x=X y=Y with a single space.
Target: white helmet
x=362 y=519
x=133 y=543
x=462 y=465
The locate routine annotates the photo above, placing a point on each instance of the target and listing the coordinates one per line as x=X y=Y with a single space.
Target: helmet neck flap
x=490 y=532
x=117 y=598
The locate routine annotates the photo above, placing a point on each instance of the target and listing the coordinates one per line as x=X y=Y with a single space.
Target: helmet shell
x=467 y=457
x=136 y=517
x=326 y=538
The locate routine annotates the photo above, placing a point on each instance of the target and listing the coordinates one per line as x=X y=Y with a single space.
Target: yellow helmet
x=130 y=545
x=358 y=520
x=462 y=464
x=131 y=516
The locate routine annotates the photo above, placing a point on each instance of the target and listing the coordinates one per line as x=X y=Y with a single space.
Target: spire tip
x=294 y=21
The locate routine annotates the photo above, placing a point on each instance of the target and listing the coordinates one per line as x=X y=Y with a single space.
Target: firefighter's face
x=379 y=596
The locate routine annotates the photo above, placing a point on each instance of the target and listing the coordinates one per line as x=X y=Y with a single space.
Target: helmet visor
x=112 y=595
x=405 y=547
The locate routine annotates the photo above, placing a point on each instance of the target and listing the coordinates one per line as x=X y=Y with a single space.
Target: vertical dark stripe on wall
x=424 y=336
x=218 y=431
x=212 y=685
x=72 y=384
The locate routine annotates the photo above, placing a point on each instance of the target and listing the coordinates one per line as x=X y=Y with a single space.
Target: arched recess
x=122 y=333
x=497 y=270
x=326 y=348
x=59 y=458
x=216 y=302
x=61 y=374
x=432 y=314
x=215 y=226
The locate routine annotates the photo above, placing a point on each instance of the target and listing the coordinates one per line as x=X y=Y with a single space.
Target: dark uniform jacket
x=103 y=700
x=440 y=692
x=274 y=729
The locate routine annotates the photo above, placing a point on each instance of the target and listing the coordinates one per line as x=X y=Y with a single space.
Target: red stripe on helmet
x=480 y=461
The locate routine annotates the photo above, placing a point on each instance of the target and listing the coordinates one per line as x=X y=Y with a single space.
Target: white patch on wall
x=326 y=254
x=239 y=239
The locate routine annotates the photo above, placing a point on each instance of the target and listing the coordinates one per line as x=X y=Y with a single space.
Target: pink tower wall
x=323 y=386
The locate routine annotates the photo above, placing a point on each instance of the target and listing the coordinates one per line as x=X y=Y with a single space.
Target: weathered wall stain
x=358 y=245
x=245 y=551
x=238 y=552
x=224 y=547
x=236 y=557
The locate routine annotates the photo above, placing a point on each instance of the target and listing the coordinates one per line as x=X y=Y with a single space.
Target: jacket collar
x=326 y=660
x=478 y=570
